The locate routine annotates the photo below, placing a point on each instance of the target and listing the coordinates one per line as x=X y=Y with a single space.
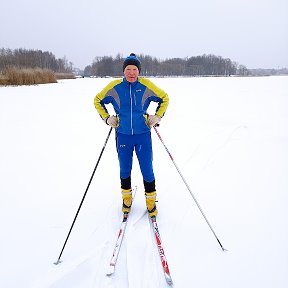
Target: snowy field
x=229 y=137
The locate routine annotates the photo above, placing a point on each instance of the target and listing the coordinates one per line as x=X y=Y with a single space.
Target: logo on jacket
x=138 y=90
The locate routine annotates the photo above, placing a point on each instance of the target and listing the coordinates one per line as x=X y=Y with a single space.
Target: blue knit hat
x=132 y=60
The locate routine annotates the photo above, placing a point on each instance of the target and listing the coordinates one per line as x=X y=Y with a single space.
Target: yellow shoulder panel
x=100 y=96
x=159 y=93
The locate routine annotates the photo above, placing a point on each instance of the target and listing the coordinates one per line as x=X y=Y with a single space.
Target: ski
x=161 y=251
x=113 y=261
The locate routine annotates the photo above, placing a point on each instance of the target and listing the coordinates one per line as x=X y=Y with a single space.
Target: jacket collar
x=128 y=83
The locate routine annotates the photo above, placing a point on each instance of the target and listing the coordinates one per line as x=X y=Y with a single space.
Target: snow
x=229 y=138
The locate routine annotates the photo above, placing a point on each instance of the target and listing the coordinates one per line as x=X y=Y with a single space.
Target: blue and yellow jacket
x=130 y=102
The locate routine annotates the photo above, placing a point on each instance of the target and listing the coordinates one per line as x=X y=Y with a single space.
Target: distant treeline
x=268 y=72
x=23 y=58
x=205 y=65
x=209 y=65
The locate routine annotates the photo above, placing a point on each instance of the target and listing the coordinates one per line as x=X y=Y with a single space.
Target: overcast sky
x=251 y=32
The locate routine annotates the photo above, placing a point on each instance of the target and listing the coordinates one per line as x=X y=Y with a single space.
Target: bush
x=27 y=76
x=67 y=75
x=3 y=80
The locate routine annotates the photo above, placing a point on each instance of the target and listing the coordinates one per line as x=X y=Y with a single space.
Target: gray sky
x=251 y=32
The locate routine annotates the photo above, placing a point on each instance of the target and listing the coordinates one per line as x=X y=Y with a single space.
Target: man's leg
x=125 y=156
x=144 y=154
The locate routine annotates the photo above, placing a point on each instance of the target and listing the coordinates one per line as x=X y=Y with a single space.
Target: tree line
x=23 y=58
x=209 y=65
x=205 y=65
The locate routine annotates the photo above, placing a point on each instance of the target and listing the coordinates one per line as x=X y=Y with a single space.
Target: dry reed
x=26 y=76
x=64 y=75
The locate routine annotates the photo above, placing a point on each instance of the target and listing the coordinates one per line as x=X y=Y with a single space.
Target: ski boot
x=127 y=200
x=150 y=203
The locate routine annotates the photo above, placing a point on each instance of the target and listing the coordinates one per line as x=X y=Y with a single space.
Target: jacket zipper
x=131 y=103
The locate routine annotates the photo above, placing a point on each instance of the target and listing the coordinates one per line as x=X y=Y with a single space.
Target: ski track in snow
x=214 y=144
x=137 y=259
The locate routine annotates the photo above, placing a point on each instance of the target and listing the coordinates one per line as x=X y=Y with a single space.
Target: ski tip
x=169 y=280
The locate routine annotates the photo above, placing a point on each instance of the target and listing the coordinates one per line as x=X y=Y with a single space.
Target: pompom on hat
x=132 y=60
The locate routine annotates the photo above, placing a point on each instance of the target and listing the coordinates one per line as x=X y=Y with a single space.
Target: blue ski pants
x=142 y=144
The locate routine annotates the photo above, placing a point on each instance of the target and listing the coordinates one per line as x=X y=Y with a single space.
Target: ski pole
x=189 y=188
x=59 y=261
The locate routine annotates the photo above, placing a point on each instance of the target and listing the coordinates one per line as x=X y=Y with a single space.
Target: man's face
x=131 y=73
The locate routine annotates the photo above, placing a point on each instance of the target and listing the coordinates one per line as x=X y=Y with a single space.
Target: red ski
x=113 y=261
x=161 y=251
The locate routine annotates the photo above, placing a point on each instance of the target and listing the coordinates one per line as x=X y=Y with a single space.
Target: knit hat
x=132 y=60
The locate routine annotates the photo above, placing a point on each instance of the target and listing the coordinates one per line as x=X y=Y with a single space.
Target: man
x=130 y=98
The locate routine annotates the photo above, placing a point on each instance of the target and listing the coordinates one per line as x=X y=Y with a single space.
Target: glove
x=112 y=121
x=153 y=120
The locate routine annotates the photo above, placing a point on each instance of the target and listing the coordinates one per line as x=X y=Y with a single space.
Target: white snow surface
x=229 y=138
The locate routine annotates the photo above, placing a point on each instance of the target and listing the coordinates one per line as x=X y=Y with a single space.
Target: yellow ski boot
x=150 y=203
x=127 y=200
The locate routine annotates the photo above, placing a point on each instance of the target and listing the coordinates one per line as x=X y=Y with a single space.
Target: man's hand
x=153 y=120
x=112 y=121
